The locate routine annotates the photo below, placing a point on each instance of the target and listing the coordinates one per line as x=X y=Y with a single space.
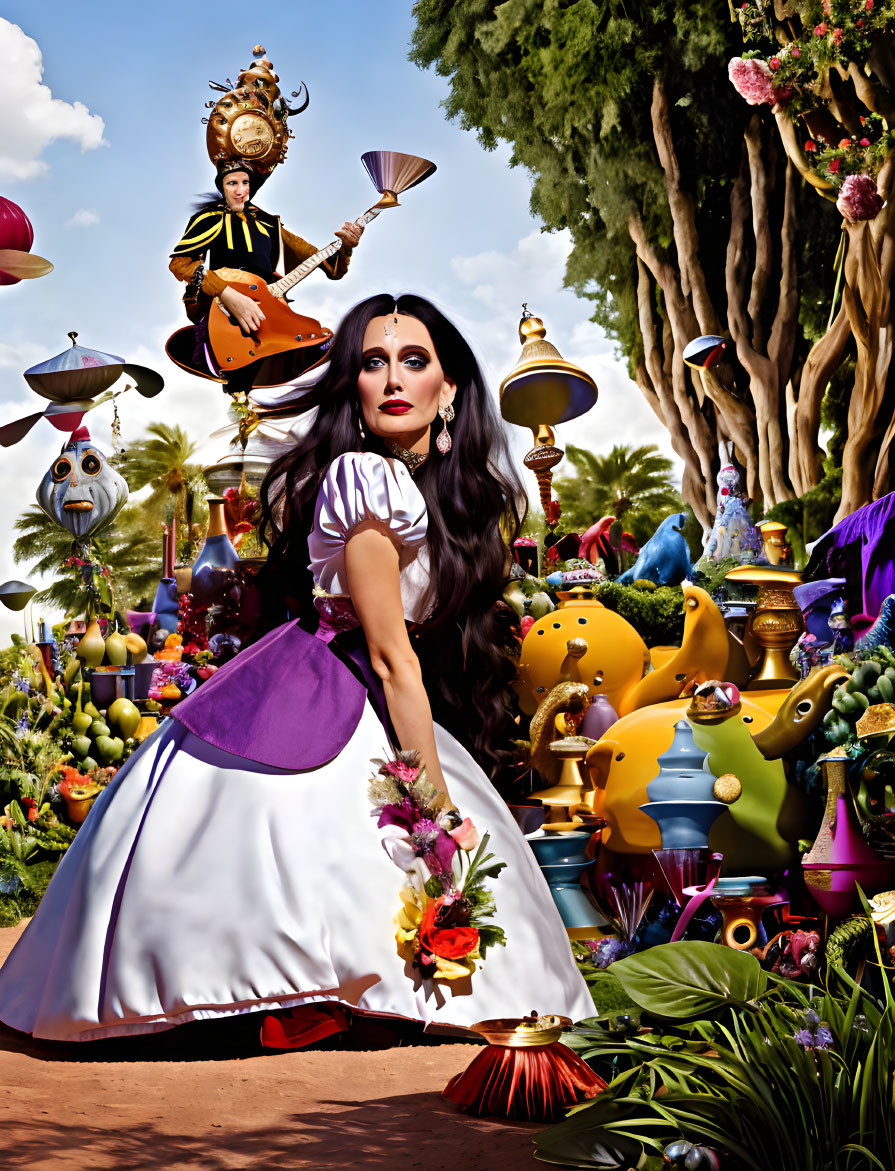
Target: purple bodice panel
x=290 y=701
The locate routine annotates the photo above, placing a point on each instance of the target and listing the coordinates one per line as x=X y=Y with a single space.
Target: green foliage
x=810 y=516
x=631 y=483
x=569 y=86
x=128 y=547
x=22 y=886
x=656 y=614
x=775 y=1074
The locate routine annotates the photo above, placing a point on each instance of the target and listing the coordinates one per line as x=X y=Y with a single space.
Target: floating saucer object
x=80 y=373
x=15 y=595
x=394 y=172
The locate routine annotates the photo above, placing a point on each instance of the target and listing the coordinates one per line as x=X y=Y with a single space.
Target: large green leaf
x=690 y=978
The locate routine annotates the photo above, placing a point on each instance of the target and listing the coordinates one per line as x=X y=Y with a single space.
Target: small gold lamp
x=541 y=390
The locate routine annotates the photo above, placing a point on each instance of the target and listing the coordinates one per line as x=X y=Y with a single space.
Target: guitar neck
x=291 y=279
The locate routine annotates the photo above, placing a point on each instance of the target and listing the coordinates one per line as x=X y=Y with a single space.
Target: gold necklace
x=413 y=459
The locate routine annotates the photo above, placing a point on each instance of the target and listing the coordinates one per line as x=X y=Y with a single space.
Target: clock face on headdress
x=252 y=136
x=249 y=122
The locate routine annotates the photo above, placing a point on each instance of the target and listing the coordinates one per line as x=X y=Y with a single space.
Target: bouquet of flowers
x=445 y=923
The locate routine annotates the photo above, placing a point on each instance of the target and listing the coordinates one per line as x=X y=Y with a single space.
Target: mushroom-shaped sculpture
x=76 y=381
x=17 y=262
x=541 y=390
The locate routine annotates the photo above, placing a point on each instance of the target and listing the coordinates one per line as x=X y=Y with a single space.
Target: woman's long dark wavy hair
x=475 y=508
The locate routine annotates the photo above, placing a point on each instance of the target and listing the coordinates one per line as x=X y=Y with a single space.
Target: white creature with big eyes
x=82 y=491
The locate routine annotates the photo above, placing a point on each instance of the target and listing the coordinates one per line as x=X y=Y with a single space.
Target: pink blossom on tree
x=859 y=199
x=751 y=78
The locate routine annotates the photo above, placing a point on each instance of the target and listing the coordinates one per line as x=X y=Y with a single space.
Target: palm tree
x=163 y=463
x=631 y=483
x=130 y=550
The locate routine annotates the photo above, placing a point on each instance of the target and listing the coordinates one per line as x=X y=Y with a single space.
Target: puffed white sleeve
x=359 y=488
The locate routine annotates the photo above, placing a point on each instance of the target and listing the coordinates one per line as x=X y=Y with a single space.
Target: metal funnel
x=395 y=172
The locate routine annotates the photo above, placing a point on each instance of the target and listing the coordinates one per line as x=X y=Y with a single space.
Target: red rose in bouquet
x=439 y=935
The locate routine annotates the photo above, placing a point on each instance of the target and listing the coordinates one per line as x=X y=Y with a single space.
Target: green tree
x=686 y=215
x=163 y=462
x=132 y=553
x=631 y=483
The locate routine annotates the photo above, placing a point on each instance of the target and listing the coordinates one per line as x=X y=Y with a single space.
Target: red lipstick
x=396 y=406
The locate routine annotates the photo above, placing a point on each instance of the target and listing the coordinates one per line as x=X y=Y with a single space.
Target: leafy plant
x=775 y=1074
x=656 y=614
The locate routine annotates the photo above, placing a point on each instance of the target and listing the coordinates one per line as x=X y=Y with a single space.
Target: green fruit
x=871 y=667
x=116 y=650
x=109 y=748
x=861 y=700
x=80 y=722
x=71 y=669
x=92 y=711
x=886 y=688
x=81 y=746
x=88 y=764
x=124 y=716
x=540 y=605
x=845 y=703
x=874 y=695
x=98 y=728
x=66 y=703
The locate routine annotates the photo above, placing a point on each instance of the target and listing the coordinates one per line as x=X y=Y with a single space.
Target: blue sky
x=107 y=170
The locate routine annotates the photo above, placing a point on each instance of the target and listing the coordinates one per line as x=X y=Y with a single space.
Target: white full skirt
x=203 y=885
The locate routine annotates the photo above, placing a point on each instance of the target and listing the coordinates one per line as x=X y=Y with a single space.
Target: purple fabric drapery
x=292 y=701
x=861 y=549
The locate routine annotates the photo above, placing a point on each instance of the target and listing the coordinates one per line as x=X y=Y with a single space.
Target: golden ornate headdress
x=248 y=124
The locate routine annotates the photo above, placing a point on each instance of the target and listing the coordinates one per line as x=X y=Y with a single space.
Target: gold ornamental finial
x=543 y=388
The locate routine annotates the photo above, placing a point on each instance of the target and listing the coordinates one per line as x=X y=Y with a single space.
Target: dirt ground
x=205 y=1096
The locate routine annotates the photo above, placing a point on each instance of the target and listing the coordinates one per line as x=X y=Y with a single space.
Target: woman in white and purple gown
x=233 y=864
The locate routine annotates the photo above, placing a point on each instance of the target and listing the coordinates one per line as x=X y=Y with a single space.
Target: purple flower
x=606 y=951
x=815 y=1034
x=859 y=199
x=404 y=815
x=436 y=847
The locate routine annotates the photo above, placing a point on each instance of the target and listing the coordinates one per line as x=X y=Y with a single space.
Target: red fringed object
x=303 y=1026
x=533 y=1084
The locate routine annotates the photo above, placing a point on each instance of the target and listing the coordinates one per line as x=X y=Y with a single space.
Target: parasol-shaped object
x=543 y=388
x=705 y=352
x=393 y=172
x=15 y=595
x=16 y=236
x=76 y=381
x=80 y=373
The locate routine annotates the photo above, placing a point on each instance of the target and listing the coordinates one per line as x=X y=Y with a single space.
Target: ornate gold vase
x=776 y=623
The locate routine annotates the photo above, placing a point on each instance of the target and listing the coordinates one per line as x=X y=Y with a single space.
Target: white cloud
x=84 y=217
x=39 y=119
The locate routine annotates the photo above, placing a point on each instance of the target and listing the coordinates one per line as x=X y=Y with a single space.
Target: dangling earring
x=443 y=442
x=360 y=424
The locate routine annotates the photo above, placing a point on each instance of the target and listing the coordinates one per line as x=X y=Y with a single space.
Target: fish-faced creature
x=82 y=492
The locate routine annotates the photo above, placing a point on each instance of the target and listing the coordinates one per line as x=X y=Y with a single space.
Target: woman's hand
x=350 y=234
x=244 y=311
